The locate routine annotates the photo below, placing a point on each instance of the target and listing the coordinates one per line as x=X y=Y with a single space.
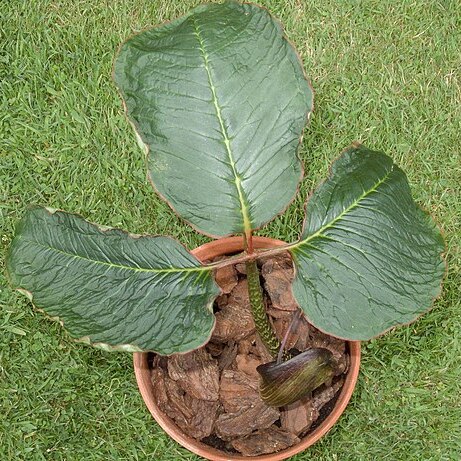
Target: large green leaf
x=111 y=289
x=219 y=100
x=369 y=258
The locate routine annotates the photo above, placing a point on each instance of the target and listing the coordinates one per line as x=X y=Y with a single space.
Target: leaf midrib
x=353 y=205
x=118 y=266
x=237 y=179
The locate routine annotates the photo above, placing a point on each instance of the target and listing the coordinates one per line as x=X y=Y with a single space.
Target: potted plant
x=218 y=99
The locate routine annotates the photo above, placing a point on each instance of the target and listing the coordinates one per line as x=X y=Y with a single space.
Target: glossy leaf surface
x=219 y=100
x=369 y=258
x=112 y=289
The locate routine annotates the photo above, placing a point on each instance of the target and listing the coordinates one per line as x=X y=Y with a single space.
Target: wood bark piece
x=281 y=326
x=234 y=321
x=239 y=295
x=215 y=349
x=226 y=277
x=246 y=345
x=238 y=390
x=221 y=301
x=241 y=268
x=299 y=337
x=249 y=345
x=278 y=275
x=278 y=313
x=298 y=417
x=265 y=441
x=158 y=376
x=194 y=416
x=262 y=351
x=325 y=393
x=204 y=415
x=245 y=421
x=196 y=373
x=302 y=333
x=247 y=363
x=228 y=355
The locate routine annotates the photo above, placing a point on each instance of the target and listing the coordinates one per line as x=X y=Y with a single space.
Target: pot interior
x=142 y=365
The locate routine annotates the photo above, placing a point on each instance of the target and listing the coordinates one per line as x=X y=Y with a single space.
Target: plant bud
x=284 y=383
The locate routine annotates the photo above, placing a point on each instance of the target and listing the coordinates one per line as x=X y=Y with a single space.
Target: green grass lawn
x=387 y=73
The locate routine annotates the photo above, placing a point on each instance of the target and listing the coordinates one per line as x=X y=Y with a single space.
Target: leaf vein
x=237 y=180
x=119 y=266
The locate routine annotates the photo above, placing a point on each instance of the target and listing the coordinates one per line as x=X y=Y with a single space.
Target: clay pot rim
x=210 y=250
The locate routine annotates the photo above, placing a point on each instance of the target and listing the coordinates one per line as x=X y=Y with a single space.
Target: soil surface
x=212 y=393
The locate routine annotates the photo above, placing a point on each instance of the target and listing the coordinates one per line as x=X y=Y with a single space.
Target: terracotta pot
x=227 y=246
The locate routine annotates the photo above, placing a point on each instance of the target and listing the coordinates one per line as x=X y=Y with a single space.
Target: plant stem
x=263 y=326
